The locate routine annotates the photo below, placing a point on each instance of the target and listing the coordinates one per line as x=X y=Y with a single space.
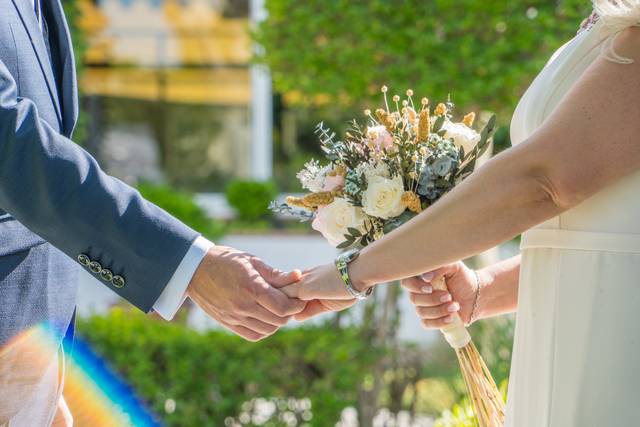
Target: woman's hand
x=324 y=290
x=436 y=307
x=322 y=282
x=319 y=306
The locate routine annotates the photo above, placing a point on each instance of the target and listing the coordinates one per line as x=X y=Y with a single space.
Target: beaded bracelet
x=475 y=299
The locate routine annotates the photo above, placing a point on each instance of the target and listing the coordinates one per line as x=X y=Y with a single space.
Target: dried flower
x=312 y=176
x=424 y=126
x=322 y=198
x=469 y=118
x=339 y=170
x=412 y=115
x=298 y=202
x=313 y=200
x=412 y=201
x=396 y=98
x=409 y=92
x=424 y=151
x=440 y=110
x=386 y=119
x=367 y=112
x=424 y=101
x=384 y=89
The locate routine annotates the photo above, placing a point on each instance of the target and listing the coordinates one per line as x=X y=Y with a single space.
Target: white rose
x=462 y=135
x=383 y=197
x=334 y=219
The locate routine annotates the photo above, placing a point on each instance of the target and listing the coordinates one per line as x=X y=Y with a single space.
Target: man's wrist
x=211 y=265
x=176 y=290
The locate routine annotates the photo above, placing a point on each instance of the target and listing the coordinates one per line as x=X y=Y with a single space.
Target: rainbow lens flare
x=96 y=395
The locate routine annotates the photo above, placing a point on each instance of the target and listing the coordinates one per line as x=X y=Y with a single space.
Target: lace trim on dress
x=588 y=22
x=616 y=15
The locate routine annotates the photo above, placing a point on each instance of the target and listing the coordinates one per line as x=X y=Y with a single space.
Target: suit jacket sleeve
x=58 y=191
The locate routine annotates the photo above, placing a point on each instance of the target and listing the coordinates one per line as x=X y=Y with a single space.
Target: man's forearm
x=59 y=192
x=498 y=288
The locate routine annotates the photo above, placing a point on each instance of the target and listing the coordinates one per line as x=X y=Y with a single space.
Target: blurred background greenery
x=168 y=98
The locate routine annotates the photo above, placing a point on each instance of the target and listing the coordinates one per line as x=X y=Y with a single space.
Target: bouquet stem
x=485 y=396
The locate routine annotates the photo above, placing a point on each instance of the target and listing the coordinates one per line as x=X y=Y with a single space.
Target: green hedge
x=211 y=375
x=313 y=370
x=251 y=199
x=482 y=52
x=182 y=206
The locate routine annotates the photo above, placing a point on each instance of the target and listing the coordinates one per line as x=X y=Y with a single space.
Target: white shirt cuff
x=175 y=292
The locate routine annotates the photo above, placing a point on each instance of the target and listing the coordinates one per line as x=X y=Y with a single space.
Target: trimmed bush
x=251 y=199
x=211 y=375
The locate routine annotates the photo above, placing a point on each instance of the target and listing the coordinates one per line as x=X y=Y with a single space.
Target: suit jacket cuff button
x=95 y=267
x=106 y=275
x=118 y=281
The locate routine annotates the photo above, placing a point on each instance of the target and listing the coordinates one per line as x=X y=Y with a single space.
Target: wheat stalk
x=486 y=398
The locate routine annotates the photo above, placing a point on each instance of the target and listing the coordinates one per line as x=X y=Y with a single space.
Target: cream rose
x=462 y=135
x=383 y=197
x=334 y=219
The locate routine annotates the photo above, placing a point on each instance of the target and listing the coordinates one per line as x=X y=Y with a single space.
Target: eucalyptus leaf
x=354 y=232
x=437 y=126
x=344 y=245
x=467 y=169
x=398 y=221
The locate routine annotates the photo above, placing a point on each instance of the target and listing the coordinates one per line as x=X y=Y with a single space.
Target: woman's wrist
x=498 y=288
x=358 y=275
x=482 y=308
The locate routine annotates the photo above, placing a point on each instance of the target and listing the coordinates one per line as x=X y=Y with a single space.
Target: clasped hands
x=254 y=300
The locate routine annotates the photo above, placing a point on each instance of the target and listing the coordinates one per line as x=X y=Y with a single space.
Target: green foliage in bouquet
x=251 y=199
x=340 y=52
x=216 y=376
x=182 y=206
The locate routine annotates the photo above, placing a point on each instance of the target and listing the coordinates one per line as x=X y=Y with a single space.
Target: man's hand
x=239 y=291
x=324 y=290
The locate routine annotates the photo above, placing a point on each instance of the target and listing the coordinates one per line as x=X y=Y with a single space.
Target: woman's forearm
x=496 y=203
x=588 y=142
x=498 y=292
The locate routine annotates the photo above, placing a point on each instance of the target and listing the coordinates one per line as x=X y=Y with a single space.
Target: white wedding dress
x=576 y=358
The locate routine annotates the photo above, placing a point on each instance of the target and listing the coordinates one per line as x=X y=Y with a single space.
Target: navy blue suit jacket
x=52 y=191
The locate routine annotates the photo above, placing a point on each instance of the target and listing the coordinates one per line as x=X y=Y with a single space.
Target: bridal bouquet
x=387 y=170
x=381 y=174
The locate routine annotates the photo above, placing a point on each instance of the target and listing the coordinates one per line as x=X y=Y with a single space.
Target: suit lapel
x=69 y=80
x=30 y=23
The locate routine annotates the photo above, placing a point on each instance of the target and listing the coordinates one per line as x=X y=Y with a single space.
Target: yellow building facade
x=169 y=50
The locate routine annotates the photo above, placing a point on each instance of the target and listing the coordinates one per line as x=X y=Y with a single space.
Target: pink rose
x=333 y=182
x=379 y=138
